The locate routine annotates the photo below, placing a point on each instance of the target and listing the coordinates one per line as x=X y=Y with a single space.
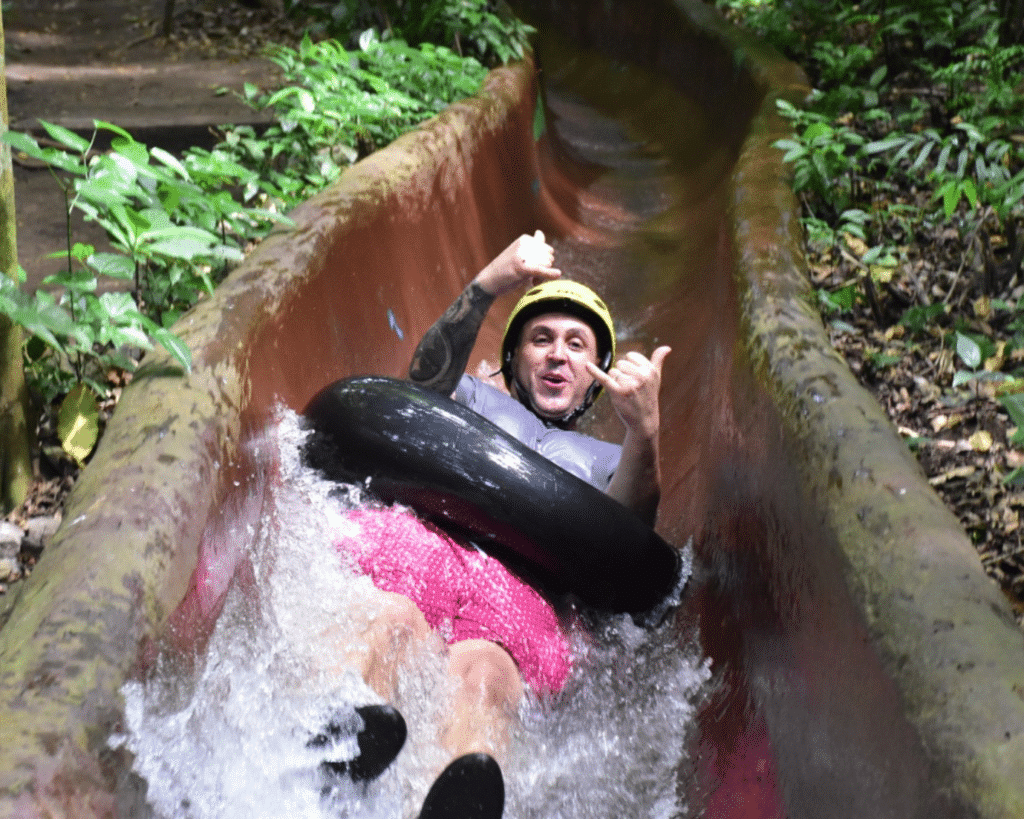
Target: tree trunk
x=15 y=442
x=1011 y=29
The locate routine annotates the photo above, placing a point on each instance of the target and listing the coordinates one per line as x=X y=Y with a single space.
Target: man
x=557 y=356
x=550 y=358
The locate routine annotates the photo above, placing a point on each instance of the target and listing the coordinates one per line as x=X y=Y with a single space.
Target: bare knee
x=487 y=669
x=400 y=618
x=394 y=632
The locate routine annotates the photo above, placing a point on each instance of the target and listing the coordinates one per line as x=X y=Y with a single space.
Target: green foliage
x=921 y=316
x=909 y=96
x=973 y=349
x=171 y=240
x=176 y=226
x=1014 y=404
x=483 y=29
x=339 y=105
x=912 y=135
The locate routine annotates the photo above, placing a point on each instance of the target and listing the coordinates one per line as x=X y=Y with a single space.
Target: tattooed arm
x=440 y=359
x=442 y=354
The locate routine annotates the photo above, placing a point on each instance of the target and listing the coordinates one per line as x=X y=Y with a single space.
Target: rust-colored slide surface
x=863 y=665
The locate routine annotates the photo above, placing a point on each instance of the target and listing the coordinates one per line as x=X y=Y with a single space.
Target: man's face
x=551 y=362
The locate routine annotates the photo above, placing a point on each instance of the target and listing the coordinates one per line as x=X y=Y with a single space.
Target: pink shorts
x=463 y=594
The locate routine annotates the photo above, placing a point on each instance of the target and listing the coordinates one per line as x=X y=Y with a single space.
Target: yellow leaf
x=881 y=273
x=981 y=441
x=856 y=244
x=78 y=422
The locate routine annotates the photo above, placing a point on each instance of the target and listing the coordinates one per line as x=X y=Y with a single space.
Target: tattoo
x=442 y=354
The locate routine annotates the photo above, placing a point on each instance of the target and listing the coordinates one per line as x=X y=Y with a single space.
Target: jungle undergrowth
x=363 y=74
x=908 y=162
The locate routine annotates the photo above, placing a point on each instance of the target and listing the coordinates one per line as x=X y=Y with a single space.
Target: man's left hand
x=633 y=385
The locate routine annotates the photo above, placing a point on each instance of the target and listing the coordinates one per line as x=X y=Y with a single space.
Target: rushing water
x=226 y=739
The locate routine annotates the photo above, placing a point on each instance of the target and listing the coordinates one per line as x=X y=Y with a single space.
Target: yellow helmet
x=561 y=296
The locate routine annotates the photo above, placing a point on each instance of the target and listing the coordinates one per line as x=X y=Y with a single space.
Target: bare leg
x=390 y=638
x=486 y=699
x=488 y=689
x=395 y=631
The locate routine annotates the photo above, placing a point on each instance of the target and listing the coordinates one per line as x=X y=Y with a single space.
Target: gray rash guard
x=587 y=458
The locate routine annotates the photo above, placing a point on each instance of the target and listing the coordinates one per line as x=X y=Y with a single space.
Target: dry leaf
x=857 y=245
x=952 y=474
x=981 y=441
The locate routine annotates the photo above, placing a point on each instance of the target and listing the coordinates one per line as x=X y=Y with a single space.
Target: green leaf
x=184 y=248
x=114 y=265
x=306 y=101
x=175 y=346
x=961 y=377
x=130 y=336
x=23 y=143
x=134 y=152
x=82 y=251
x=879 y=255
x=968 y=350
x=120 y=307
x=52 y=156
x=170 y=161
x=926 y=151
x=971 y=192
x=1015 y=407
x=69 y=139
x=886 y=144
x=78 y=422
x=127 y=171
x=102 y=125
x=1015 y=478
x=950 y=197
x=76 y=281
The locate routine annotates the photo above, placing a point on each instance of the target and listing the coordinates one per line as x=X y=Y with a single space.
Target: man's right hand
x=528 y=260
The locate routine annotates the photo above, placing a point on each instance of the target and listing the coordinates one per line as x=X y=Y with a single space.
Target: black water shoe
x=471 y=787
x=379 y=741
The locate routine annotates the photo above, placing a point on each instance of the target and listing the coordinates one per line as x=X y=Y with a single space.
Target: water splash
x=227 y=738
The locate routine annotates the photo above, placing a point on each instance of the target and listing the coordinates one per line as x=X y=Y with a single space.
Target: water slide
x=859 y=663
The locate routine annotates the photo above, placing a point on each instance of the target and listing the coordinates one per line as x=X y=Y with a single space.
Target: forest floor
x=961 y=436
x=110 y=58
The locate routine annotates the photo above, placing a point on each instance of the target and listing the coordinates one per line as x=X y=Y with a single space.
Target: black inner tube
x=408 y=444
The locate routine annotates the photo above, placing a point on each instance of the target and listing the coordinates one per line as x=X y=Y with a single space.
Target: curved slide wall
x=864 y=665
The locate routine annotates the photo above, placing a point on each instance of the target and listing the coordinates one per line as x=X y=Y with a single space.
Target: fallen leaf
x=981 y=441
x=857 y=245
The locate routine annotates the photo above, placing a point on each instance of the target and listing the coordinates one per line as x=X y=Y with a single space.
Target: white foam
x=226 y=740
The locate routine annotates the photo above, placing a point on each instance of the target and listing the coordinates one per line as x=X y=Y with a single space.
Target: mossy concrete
x=883 y=670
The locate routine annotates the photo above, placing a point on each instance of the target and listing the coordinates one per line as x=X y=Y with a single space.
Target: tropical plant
x=338 y=105
x=176 y=226
x=484 y=29
x=171 y=239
